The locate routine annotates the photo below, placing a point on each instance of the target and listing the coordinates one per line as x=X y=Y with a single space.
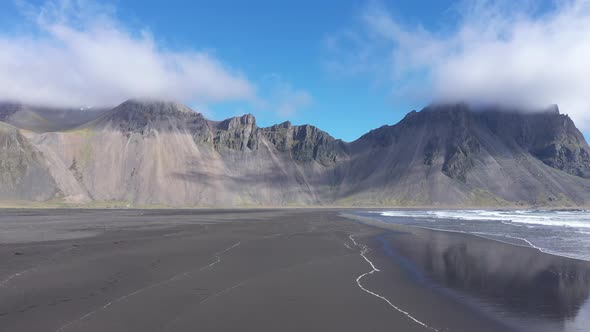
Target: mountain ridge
x=162 y=153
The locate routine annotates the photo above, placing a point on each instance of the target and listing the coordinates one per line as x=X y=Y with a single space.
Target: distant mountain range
x=153 y=153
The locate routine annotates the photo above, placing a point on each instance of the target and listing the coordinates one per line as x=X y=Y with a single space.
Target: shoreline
x=13 y=205
x=381 y=224
x=263 y=270
x=481 y=236
x=486 y=273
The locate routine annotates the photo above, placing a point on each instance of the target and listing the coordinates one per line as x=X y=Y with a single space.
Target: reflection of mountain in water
x=522 y=281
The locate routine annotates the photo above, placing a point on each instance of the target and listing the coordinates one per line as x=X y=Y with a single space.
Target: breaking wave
x=560 y=232
x=576 y=219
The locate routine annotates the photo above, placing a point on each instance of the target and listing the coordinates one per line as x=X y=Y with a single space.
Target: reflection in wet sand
x=526 y=288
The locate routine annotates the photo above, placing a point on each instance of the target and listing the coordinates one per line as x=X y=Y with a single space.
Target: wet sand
x=518 y=285
x=215 y=270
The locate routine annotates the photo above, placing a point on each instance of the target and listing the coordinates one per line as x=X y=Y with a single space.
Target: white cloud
x=79 y=54
x=508 y=53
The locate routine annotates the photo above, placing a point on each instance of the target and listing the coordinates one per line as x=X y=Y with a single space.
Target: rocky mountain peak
x=150 y=106
x=149 y=151
x=454 y=132
x=238 y=122
x=237 y=133
x=137 y=115
x=548 y=135
x=286 y=124
x=306 y=143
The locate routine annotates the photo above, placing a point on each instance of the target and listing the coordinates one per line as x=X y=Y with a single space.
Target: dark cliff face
x=238 y=133
x=453 y=131
x=548 y=135
x=306 y=143
x=444 y=134
x=447 y=154
x=456 y=140
x=145 y=117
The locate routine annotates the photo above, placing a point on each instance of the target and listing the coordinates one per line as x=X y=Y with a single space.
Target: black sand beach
x=257 y=270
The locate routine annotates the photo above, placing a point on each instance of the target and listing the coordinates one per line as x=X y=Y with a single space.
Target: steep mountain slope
x=547 y=135
x=24 y=174
x=451 y=155
x=45 y=119
x=306 y=143
x=151 y=152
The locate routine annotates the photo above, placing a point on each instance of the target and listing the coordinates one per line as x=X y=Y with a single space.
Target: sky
x=345 y=66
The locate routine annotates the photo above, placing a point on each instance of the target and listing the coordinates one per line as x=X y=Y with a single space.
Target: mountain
x=23 y=172
x=452 y=155
x=45 y=119
x=149 y=152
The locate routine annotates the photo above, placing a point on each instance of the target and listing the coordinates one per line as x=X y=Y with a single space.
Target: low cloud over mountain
x=145 y=152
x=76 y=53
x=507 y=53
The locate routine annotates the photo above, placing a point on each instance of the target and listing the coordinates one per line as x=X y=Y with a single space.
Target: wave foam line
x=525 y=217
x=217 y=256
x=510 y=237
x=363 y=251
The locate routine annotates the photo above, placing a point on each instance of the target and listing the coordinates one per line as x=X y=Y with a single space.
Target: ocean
x=523 y=289
x=558 y=232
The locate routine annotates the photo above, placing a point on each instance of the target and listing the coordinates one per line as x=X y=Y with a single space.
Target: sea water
x=528 y=292
x=559 y=232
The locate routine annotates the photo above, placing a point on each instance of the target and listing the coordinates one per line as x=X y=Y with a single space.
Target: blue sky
x=344 y=66
x=288 y=39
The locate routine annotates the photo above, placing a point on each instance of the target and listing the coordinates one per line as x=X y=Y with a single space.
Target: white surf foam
x=552 y=232
x=529 y=217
